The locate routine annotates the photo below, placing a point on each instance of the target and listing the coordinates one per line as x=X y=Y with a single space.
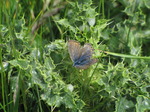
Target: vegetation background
x=36 y=73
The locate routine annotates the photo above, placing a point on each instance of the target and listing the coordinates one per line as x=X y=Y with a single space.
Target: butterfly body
x=81 y=56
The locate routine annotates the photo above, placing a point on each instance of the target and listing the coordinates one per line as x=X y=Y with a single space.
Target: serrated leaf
x=21 y=63
x=66 y=24
x=143 y=104
x=123 y=104
x=69 y=102
x=49 y=63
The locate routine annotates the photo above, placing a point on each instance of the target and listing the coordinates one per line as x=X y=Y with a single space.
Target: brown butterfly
x=81 y=56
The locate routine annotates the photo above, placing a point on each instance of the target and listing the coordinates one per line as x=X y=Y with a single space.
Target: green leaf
x=122 y=105
x=21 y=63
x=143 y=104
x=147 y=3
x=66 y=24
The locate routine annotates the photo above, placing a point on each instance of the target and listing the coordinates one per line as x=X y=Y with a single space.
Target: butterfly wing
x=74 y=49
x=85 y=60
x=86 y=64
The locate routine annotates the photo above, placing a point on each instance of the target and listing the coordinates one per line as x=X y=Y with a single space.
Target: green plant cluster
x=36 y=72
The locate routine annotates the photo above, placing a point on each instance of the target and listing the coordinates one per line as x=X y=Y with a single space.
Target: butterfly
x=81 y=56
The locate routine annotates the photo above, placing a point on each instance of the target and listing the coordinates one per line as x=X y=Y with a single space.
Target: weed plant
x=36 y=72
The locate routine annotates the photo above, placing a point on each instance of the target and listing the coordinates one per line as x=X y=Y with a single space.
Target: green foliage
x=37 y=72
